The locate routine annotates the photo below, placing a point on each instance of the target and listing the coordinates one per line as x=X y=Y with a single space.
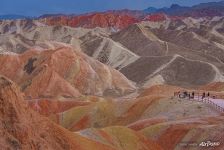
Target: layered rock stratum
x=22 y=128
x=62 y=72
x=109 y=81
x=147 y=53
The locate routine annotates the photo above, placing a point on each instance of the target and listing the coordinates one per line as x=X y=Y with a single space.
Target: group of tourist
x=191 y=95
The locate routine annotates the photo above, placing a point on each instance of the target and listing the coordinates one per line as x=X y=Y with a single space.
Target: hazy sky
x=39 y=7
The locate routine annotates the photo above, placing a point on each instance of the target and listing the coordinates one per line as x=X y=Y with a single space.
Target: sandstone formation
x=62 y=72
x=109 y=80
x=22 y=128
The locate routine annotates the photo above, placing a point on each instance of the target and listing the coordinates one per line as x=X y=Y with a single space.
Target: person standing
x=203 y=95
x=185 y=94
x=208 y=95
x=192 y=95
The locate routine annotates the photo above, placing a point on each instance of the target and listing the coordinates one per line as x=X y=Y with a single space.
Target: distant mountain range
x=209 y=9
x=12 y=17
x=200 y=10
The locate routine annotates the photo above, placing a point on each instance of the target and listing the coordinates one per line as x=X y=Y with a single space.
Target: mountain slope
x=166 y=56
x=107 y=51
x=21 y=128
x=148 y=53
x=22 y=35
x=62 y=72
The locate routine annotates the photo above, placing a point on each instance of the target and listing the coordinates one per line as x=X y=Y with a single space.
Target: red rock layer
x=93 y=20
x=21 y=128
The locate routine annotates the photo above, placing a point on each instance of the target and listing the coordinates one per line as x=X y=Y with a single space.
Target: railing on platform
x=198 y=97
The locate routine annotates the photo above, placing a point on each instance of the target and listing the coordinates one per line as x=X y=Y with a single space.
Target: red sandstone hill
x=103 y=20
x=62 y=72
x=21 y=128
x=111 y=19
x=157 y=118
x=120 y=19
